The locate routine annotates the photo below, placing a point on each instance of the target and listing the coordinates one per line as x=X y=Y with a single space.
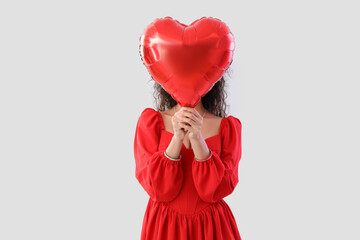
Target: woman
x=187 y=161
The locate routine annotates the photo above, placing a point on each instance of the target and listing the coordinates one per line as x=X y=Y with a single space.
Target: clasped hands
x=187 y=121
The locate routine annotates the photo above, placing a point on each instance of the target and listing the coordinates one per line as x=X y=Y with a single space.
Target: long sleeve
x=160 y=176
x=217 y=177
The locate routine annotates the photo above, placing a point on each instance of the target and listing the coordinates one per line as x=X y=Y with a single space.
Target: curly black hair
x=213 y=101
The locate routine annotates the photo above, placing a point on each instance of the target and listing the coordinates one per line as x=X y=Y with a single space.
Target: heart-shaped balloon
x=187 y=60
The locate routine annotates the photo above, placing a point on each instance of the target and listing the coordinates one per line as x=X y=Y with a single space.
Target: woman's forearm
x=200 y=148
x=173 y=150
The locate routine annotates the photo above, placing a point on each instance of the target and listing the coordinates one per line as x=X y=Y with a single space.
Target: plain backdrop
x=72 y=86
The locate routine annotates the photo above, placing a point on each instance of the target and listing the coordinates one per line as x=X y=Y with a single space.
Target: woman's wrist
x=207 y=158
x=174 y=159
x=178 y=138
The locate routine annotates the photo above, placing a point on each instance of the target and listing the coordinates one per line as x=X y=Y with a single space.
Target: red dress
x=186 y=196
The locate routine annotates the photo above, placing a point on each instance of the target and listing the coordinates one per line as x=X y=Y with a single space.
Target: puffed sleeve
x=160 y=176
x=217 y=177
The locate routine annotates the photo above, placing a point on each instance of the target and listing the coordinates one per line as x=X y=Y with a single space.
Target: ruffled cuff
x=165 y=176
x=207 y=176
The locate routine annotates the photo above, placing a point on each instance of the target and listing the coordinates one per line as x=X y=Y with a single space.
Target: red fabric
x=186 y=196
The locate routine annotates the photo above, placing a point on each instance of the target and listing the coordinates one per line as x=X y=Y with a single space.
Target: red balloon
x=187 y=60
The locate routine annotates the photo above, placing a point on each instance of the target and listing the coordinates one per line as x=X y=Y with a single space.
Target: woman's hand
x=188 y=120
x=179 y=125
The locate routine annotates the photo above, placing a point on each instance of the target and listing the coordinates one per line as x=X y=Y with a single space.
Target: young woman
x=187 y=161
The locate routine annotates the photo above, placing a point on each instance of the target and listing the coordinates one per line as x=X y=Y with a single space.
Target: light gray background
x=73 y=86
